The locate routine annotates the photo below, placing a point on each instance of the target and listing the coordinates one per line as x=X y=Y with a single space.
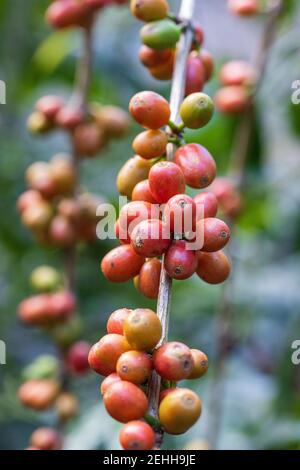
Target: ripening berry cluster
x=126 y=356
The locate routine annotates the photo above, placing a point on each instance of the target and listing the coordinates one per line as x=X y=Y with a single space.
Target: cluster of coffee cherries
x=238 y=78
x=159 y=37
x=70 y=13
x=127 y=356
x=245 y=7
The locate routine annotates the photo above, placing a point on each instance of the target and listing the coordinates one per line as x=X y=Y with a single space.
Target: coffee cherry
x=35 y=310
x=195 y=74
x=108 y=381
x=173 y=361
x=63 y=173
x=43 y=367
x=207 y=204
x=113 y=120
x=38 y=394
x=164 y=71
x=70 y=209
x=149 y=10
x=180 y=262
x=62 y=304
x=196 y=110
x=215 y=233
x=154 y=58
x=62 y=232
x=136 y=169
x=115 y=323
x=213 y=268
x=198 y=34
x=137 y=435
x=149 y=278
x=160 y=34
x=150 y=144
x=197 y=165
x=69 y=117
x=237 y=72
x=46 y=439
x=150 y=238
x=66 y=406
x=88 y=139
x=232 y=99
x=125 y=401
x=142 y=192
x=150 y=109
x=165 y=392
x=180 y=213
x=37 y=123
x=208 y=63
x=66 y=333
x=66 y=13
x=77 y=357
x=49 y=106
x=45 y=279
x=142 y=329
x=121 y=234
x=179 y=411
x=200 y=364
x=27 y=199
x=166 y=179
x=135 y=212
x=244 y=7
x=38 y=176
x=228 y=197
x=121 y=264
x=134 y=366
x=104 y=355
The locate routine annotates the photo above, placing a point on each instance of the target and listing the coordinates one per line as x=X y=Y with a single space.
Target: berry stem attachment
x=177 y=95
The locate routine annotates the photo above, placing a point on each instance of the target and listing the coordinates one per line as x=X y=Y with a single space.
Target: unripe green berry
x=160 y=34
x=45 y=279
x=196 y=110
x=44 y=367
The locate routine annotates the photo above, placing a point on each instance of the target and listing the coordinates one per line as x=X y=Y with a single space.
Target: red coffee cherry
x=69 y=117
x=165 y=392
x=142 y=329
x=232 y=99
x=200 y=364
x=29 y=198
x=207 y=204
x=213 y=268
x=88 y=139
x=180 y=213
x=142 y=192
x=108 y=381
x=228 y=197
x=166 y=180
x=180 y=262
x=137 y=435
x=196 y=110
x=173 y=361
x=104 y=355
x=66 y=13
x=135 y=212
x=154 y=58
x=38 y=394
x=149 y=10
x=244 y=7
x=164 y=71
x=179 y=411
x=115 y=323
x=35 y=310
x=121 y=264
x=208 y=63
x=150 y=109
x=125 y=401
x=237 y=72
x=216 y=234
x=150 y=144
x=150 y=238
x=198 y=34
x=149 y=278
x=62 y=232
x=134 y=366
x=77 y=357
x=46 y=439
x=49 y=106
x=114 y=121
x=197 y=165
x=195 y=74
x=62 y=304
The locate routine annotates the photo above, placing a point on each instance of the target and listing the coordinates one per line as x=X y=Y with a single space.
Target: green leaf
x=54 y=49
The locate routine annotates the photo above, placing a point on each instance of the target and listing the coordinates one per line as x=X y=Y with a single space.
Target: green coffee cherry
x=68 y=332
x=44 y=367
x=45 y=279
x=160 y=34
x=196 y=110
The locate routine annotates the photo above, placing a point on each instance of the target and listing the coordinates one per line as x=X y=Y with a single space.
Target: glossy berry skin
x=173 y=361
x=179 y=411
x=180 y=262
x=115 y=323
x=142 y=192
x=149 y=10
x=244 y=7
x=134 y=366
x=142 y=329
x=195 y=74
x=213 y=268
x=137 y=435
x=215 y=234
x=38 y=394
x=200 y=364
x=196 y=110
x=165 y=392
x=104 y=355
x=162 y=34
x=150 y=238
x=121 y=264
x=77 y=357
x=208 y=63
x=149 y=278
x=197 y=164
x=153 y=58
x=166 y=179
x=125 y=401
x=207 y=204
x=232 y=99
x=135 y=212
x=164 y=71
x=46 y=439
x=136 y=169
x=150 y=109
x=237 y=72
x=180 y=213
x=49 y=106
x=150 y=144
x=108 y=381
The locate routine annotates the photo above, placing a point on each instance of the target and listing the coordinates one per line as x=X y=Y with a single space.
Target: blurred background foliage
x=261 y=398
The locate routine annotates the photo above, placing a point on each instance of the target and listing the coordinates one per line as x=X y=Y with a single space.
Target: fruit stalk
x=186 y=14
